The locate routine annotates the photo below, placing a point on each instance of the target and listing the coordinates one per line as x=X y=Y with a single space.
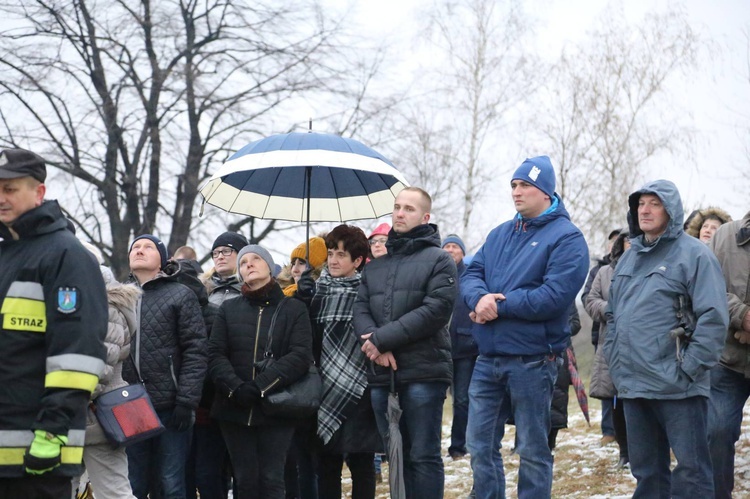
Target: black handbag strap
x=268 y=354
x=135 y=367
x=137 y=337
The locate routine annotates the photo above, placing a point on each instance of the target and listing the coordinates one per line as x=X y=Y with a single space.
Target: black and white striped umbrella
x=305 y=177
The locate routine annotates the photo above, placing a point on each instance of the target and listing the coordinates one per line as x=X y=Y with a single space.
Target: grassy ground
x=583 y=468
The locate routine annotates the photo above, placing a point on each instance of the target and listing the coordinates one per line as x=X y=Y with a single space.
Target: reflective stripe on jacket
x=54 y=319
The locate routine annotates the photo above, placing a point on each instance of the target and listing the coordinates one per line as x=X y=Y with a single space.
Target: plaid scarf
x=342 y=363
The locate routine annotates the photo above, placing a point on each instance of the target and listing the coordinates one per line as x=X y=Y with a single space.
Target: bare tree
x=137 y=101
x=487 y=72
x=610 y=112
x=745 y=128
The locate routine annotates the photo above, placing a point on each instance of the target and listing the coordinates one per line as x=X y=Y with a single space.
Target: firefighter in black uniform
x=53 y=319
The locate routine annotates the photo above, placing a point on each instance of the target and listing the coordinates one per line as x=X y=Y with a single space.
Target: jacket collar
x=555 y=211
x=421 y=236
x=43 y=219
x=270 y=294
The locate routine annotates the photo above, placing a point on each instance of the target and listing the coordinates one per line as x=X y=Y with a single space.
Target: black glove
x=182 y=418
x=246 y=394
x=306 y=284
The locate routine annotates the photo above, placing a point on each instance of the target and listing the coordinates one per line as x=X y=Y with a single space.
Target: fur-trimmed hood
x=286 y=281
x=694 y=227
x=123 y=297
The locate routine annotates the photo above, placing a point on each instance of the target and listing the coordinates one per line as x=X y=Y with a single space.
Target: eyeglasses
x=375 y=241
x=225 y=252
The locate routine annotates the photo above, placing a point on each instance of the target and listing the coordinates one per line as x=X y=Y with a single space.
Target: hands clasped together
x=385 y=359
x=486 y=309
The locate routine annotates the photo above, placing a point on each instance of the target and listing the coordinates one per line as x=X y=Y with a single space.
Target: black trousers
x=38 y=487
x=362 y=467
x=258 y=454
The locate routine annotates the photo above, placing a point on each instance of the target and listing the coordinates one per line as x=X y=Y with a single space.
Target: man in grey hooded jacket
x=667 y=318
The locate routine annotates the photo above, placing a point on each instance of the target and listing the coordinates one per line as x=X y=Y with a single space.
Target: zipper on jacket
x=263 y=392
x=255 y=356
x=171 y=371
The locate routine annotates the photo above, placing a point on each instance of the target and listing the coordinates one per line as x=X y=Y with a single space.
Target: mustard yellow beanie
x=318 y=252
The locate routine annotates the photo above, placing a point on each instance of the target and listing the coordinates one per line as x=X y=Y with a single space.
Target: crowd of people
x=399 y=310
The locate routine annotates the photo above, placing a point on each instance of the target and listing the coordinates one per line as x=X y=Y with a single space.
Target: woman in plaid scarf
x=346 y=422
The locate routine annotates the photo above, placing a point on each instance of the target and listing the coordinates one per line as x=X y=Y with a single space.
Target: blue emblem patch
x=67 y=300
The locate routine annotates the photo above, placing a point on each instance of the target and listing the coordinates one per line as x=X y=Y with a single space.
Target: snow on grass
x=583 y=468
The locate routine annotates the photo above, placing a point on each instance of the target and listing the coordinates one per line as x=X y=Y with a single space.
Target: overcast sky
x=716 y=101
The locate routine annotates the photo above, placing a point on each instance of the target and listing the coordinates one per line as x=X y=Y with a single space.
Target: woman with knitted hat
x=205 y=468
x=705 y=223
x=298 y=263
x=221 y=281
x=257 y=443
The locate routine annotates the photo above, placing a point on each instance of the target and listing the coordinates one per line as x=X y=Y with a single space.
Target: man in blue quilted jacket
x=520 y=286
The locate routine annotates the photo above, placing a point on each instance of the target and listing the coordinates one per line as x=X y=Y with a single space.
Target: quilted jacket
x=170 y=348
x=406 y=299
x=122 y=300
x=602 y=386
x=731 y=245
x=238 y=341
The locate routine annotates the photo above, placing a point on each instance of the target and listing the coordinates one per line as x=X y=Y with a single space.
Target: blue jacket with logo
x=539 y=264
x=647 y=284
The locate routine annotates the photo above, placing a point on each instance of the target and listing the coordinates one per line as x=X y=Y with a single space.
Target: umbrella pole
x=308 y=178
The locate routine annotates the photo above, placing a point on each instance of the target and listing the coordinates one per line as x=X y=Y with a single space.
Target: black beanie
x=159 y=246
x=230 y=240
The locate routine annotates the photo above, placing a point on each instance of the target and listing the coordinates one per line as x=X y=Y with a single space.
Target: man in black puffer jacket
x=401 y=314
x=170 y=354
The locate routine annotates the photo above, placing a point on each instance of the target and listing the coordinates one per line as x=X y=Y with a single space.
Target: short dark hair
x=426 y=198
x=618 y=247
x=185 y=253
x=352 y=238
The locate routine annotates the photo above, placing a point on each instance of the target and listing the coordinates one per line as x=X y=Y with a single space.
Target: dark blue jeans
x=462 y=370
x=655 y=427
x=205 y=468
x=521 y=386
x=420 y=424
x=608 y=426
x=729 y=392
x=164 y=457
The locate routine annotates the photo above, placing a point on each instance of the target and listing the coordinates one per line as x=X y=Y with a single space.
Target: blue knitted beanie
x=539 y=173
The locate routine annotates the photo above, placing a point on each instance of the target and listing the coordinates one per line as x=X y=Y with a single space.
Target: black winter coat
x=171 y=347
x=359 y=432
x=218 y=291
x=559 y=412
x=406 y=299
x=238 y=340
x=462 y=341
